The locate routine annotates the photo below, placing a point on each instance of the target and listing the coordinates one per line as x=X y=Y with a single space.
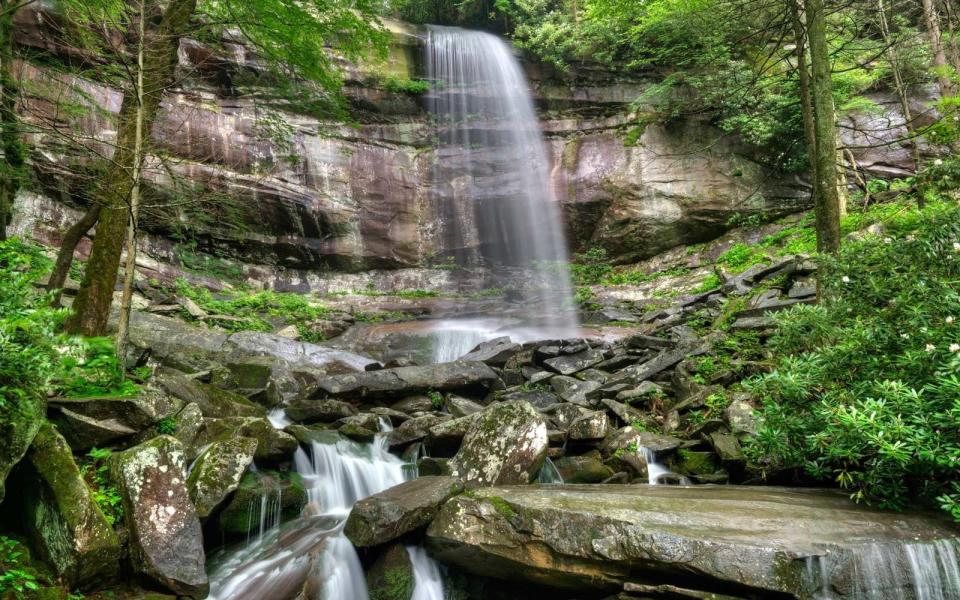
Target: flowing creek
x=310 y=553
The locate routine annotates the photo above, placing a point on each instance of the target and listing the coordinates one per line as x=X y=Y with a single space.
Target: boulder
x=399 y=510
x=217 y=472
x=563 y=415
x=414 y=404
x=495 y=352
x=573 y=363
x=539 y=399
x=414 y=430
x=573 y=390
x=65 y=524
x=756 y=541
x=727 y=447
x=264 y=497
x=166 y=542
x=273 y=445
x=97 y=421
x=390 y=577
x=740 y=418
x=212 y=401
x=506 y=444
x=324 y=410
x=19 y=423
x=405 y=381
x=582 y=469
x=443 y=439
x=458 y=406
x=591 y=426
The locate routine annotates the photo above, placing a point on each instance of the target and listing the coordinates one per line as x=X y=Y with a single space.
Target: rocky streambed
x=255 y=466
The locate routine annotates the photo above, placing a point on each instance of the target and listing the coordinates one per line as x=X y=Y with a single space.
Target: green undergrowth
x=96 y=472
x=36 y=360
x=865 y=390
x=256 y=310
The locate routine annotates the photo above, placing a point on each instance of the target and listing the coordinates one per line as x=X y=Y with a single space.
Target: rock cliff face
x=288 y=197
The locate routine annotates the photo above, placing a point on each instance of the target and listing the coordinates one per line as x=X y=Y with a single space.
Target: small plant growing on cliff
x=97 y=475
x=436 y=399
x=166 y=426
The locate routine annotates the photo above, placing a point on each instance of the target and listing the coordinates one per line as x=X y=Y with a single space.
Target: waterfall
x=311 y=553
x=491 y=181
x=549 y=473
x=914 y=571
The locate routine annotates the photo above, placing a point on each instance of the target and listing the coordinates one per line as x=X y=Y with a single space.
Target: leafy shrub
x=166 y=426
x=15 y=580
x=97 y=475
x=867 y=390
x=28 y=343
x=91 y=368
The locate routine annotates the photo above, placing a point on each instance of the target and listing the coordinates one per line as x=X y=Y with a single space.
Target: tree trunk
x=92 y=306
x=827 y=200
x=936 y=45
x=68 y=246
x=14 y=154
x=952 y=33
x=130 y=269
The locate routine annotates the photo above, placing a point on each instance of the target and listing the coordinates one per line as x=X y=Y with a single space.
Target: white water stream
x=310 y=553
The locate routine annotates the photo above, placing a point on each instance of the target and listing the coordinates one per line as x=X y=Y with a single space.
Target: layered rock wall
x=288 y=200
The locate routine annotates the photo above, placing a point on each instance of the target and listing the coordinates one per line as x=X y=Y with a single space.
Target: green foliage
x=866 y=392
x=96 y=472
x=90 y=367
x=293 y=39
x=166 y=426
x=739 y=257
x=711 y=282
x=400 y=85
x=16 y=580
x=29 y=359
x=248 y=311
x=436 y=399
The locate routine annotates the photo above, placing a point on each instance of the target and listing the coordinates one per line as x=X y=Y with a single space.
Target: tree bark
x=92 y=306
x=936 y=45
x=68 y=246
x=827 y=199
x=130 y=268
x=14 y=154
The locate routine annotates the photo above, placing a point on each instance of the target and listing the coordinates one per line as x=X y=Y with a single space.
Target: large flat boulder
x=404 y=381
x=65 y=524
x=506 y=444
x=166 y=542
x=399 y=510
x=97 y=421
x=747 y=541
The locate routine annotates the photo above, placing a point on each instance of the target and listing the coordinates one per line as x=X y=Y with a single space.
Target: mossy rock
x=19 y=423
x=67 y=527
x=218 y=472
x=692 y=462
x=273 y=445
x=391 y=577
x=261 y=489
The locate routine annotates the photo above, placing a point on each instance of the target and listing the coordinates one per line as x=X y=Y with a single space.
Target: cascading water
x=915 y=571
x=491 y=183
x=311 y=552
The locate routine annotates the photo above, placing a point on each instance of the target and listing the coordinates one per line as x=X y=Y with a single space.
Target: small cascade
x=278 y=418
x=427 y=581
x=658 y=473
x=311 y=553
x=915 y=571
x=549 y=473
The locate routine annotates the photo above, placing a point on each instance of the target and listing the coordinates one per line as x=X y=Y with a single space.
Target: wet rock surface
x=166 y=543
x=399 y=510
x=749 y=540
x=64 y=521
x=506 y=444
